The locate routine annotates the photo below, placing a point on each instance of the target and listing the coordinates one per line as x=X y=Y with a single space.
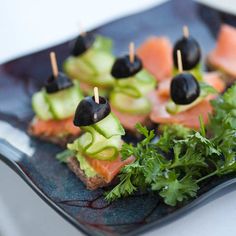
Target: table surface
x=27 y=26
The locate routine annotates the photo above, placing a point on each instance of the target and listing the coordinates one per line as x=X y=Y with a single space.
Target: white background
x=30 y=25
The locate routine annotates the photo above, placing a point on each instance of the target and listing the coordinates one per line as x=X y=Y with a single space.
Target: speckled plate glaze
x=34 y=160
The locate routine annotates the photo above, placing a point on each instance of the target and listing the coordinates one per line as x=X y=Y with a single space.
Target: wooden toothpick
x=81 y=28
x=180 y=64
x=54 y=64
x=185 y=31
x=96 y=95
x=131 y=52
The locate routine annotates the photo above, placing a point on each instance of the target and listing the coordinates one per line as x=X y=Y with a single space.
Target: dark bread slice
x=61 y=141
x=91 y=183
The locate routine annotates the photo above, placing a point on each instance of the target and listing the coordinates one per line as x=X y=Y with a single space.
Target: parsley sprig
x=181 y=159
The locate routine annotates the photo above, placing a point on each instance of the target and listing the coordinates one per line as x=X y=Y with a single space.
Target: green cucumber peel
x=63 y=156
x=51 y=98
x=40 y=106
x=88 y=144
x=101 y=127
x=136 y=86
x=103 y=43
x=126 y=104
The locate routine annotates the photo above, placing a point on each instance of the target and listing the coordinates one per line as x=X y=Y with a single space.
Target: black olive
x=82 y=43
x=57 y=84
x=184 y=89
x=123 y=68
x=89 y=112
x=190 y=52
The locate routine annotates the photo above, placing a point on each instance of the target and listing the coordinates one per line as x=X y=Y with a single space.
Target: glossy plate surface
x=34 y=160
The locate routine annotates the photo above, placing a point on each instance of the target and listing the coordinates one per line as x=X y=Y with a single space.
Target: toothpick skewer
x=180 y=64
x=131 y=52
x=186 y=31
x=54 y=64
x=81 y=28
x=96 y=95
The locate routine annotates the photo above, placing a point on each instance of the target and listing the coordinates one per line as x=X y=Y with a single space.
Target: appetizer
x=188 y=99
x=223 y=56
x=128 y=99
x=54 y=107
x=95 y=156
x=90 y=63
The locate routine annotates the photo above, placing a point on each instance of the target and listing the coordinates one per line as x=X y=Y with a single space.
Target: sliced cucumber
x=145 y=82
x=83 y=142
x=77 y=68
x=103 y=148
x=141 y=84
x=63 y=103
x=95 y=145
x=101 y=61
x=109 y=126
x=102 y=80
x=129 y=87
x=130 y=105
x=103 y=43
x=92 y=68
x=40 y=106
x=173 y=108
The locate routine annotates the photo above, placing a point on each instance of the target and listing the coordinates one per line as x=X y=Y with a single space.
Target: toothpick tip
x=180 y=63
x=54 y=64
x=96 y=94
x=185 y=31
x=131 y=52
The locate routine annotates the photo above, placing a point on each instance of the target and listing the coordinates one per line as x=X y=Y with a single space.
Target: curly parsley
x=196 y=156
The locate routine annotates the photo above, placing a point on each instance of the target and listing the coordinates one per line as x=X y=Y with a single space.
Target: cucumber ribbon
x=99 y=143
x=129 y=94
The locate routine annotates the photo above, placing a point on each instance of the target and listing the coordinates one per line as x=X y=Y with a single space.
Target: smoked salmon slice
x=53 y=127
x=108 y=169
x=156 y=55
x=212 y=78
x=128 y=120
x=223 y=56
x=189 y=118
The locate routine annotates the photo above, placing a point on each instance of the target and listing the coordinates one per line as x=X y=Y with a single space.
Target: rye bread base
x=91 y=183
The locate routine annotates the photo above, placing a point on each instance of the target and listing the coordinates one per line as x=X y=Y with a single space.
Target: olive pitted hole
x=54 y=85
x=89 y=112
x=82 y=43
x=190 y=51
x=184 y=89
x=124 y=68
x=102 y=100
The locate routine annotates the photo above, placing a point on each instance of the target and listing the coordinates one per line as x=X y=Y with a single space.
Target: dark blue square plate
x=34 y=160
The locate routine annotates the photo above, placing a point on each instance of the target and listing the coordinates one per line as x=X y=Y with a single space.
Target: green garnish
x=196 y=157
x=63 y=156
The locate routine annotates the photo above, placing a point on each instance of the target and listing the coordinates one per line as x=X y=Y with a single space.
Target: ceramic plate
x=34 y=160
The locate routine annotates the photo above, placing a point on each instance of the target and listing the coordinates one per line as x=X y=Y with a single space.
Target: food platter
x=35 y=161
